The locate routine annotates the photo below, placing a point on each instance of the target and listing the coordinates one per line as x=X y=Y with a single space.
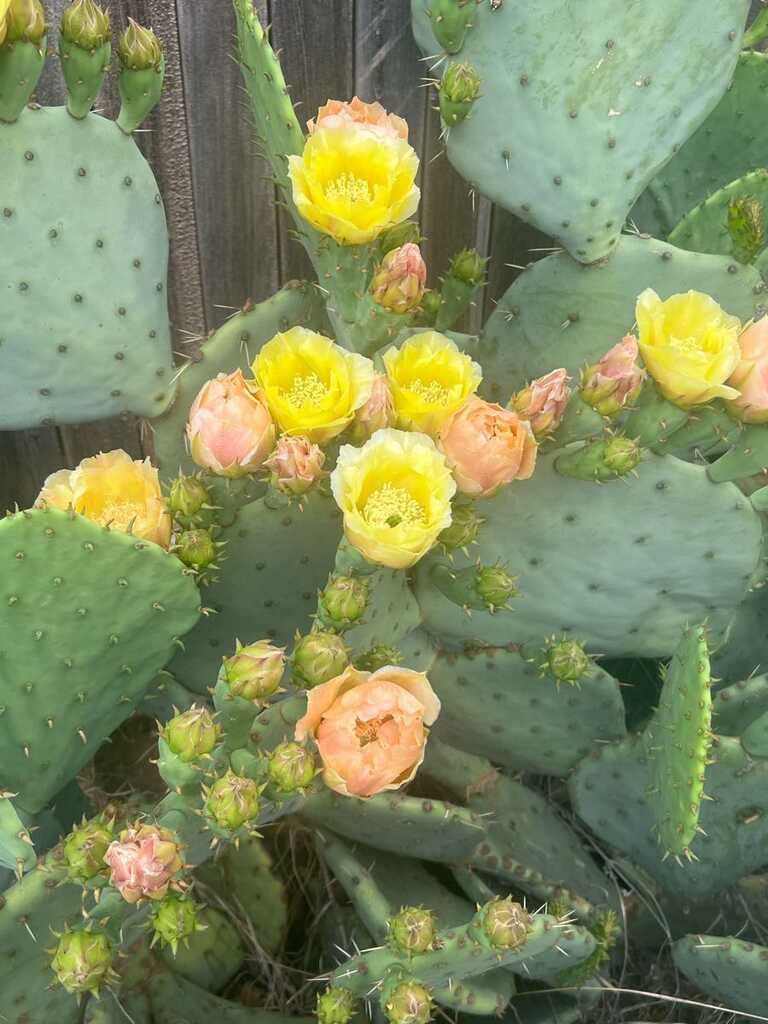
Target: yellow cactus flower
x=430 y=379
x=5 y=7
x=115 y=490
x=689 y=345
x=312 y=386
x=395 y=493
x=353 y=184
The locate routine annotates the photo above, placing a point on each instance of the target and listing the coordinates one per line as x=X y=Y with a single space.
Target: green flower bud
x=399 y=235
x=254 y=672
x=429 y=308
x=86 y=24
x=458 y=90
x=191 y=734
x=377 y=657
x=26 y=21
x=343 y=601
x=464 y=528
x=621 y=455
x=195 y=548
x=291 y=767
x=468 y=266
x=232 y=801
x=336 y=1006
x=318 y=657
x=84 y=849
x=746 y=226
x=568 y=661
x=187 y=497
x=494 y=586
x=413 y=930
x=139 y=48
x=82 y=960
x=175 y=921
x=408 y=1002
x=600 y=460
x=505 y=923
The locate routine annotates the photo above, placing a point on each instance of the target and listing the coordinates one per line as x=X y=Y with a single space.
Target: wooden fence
x=227 y=242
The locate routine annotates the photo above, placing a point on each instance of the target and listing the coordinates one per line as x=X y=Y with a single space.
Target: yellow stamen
x=118 y=513
x=368 y=732
x=308 y=390
x=431 y=393
x=390 y=506
x=348 y=186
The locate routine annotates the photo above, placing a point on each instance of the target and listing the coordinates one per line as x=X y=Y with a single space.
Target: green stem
x=757 y=31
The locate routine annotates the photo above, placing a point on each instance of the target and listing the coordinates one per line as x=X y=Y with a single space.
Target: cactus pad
x=85 y=330
x=727 y=969
x=705 y=227
x=736 y=707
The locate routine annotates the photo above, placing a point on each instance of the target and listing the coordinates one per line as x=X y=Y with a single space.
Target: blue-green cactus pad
x=705 y=227
x=736 y=707
x=582 y=104
x=88 y=617
x=663 y=572
x=83 y=267
x=727 y=969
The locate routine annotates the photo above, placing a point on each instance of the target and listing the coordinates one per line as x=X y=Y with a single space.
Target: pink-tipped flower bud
x=230 y=430
x=291 y=767
x=254 y=672
x=615 y=381
x=751 y=374
x=296 y=464
x=377 y=413
x=143 y=862
x=192 y=734
x=399 y=281
x=543 y=401
x=82 y=960
x=233 y=801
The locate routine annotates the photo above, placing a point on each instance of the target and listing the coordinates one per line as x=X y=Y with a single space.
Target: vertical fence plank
x=317 y=50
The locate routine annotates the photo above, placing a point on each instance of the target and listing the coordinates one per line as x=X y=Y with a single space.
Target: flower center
x=368 y=732
x=431 y=393
x=349 y=187
x=308 y=390
x=390 y=506
x=118 y=513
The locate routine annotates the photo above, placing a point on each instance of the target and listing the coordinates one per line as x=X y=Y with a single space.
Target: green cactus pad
x=736 y=707
x=729 y=144
x=559 y=313
x=497 y=704
x=83 y=237
x=747 y=457
x=744 y=651
x=542 y=527
x=212 y=956
x=727 y=969
x=755 y=737
x=607 y=84
x=90 y=615
x=391 y=614
x=705 y=227
x=677 y=743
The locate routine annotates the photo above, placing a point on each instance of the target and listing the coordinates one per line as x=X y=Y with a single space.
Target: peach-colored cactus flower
x=370 y=728
x=543 y=402
x=297 y=464
x=615 y=381
x=487 y=446
x=377 y=413
x=338 y=113
x=230 y=429
x=143 y=862
x=751 y=374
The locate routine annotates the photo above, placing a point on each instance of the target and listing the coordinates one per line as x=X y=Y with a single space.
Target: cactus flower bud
x=139 y=48
x=377 y=657
x=458 y=90
x=615 y=381
x=464 y=528
x=196 y=549
x=143 y=862
x=296 y=464
x=335 y=1006
x=254 y=672
x=86 y=24
x=26 y=21
x=413 y=930
x=343 y=601
x=192 y=734
x=377 y=413
x=543 y=401
x=175 y=921
x=600 y=460
x=468 y=266
x=82 y=960
x=505 y=923
x=291 y=767
x=399 y=235
x=430 y=307
x=187 y=497
x=746 y=226
x=494 y=586
x=230 y=430
x=407 y=1002
x=567 y=660
x=233 y=801
x=398 y=283
x=85 y=847
x=318 y=657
